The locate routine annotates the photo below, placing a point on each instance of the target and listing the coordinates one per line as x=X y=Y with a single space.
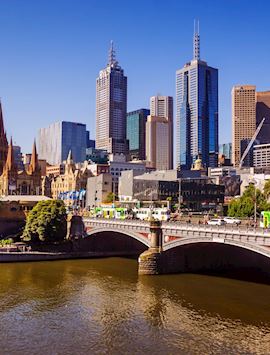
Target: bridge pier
x=150 y=261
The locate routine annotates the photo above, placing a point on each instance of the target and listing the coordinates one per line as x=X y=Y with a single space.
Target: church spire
x=3 y=141
x=69 y=158
x=2 y=130
x=10 y=157
x=33 y=166
x=3 y=136
x=196 y=42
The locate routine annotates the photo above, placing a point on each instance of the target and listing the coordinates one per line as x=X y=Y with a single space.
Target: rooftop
x=26 y=198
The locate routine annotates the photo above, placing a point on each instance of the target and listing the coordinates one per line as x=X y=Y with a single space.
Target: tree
x=244 y=206
x=46 y=222
x=266 y=189
x=110 y=197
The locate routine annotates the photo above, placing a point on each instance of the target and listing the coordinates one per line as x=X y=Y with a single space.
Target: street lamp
x=179 y=194
x=254 y=182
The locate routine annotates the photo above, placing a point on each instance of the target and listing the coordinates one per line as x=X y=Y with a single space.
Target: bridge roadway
x=174 y=234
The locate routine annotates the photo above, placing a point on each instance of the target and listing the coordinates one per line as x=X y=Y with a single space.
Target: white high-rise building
x=162 y=106
x=111 y=107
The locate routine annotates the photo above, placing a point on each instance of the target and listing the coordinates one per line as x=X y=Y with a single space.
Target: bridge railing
x=178 y=227
x=116 y=221
x=226 y=229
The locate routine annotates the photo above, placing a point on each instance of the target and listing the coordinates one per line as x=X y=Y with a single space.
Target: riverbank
x=12 y=256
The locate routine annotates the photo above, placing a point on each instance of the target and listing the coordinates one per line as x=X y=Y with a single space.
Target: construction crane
x=251 y=143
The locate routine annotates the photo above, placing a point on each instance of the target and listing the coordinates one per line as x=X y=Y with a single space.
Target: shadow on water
x=213 y=295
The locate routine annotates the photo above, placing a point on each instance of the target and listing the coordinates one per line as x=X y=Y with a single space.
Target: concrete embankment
x=6 y=257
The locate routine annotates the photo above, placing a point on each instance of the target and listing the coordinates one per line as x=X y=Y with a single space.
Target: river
x=101 y=306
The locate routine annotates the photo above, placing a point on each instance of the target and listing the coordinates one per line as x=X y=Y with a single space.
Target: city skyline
x=38 y=66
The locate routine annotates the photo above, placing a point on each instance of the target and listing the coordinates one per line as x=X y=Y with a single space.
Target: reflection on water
x=102 y=306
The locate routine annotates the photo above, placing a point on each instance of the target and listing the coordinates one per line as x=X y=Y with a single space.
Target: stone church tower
x=20 y=182
x=3 y=142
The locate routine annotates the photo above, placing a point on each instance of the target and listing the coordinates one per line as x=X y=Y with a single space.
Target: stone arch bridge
x=179 y=247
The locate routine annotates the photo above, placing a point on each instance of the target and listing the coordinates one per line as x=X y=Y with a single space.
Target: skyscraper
x=243 y=119
x=55 y=142
x=162 y=106
x=197 y=111
x=111 y=107
x=157 y=142
x=136 y=122
x=263 y=111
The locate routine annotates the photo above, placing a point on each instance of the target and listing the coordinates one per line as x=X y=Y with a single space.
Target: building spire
x=2 y=130
x=33 y=166
x=112 y=57
x=10 y=157
x=196 y=42
x=69 y=157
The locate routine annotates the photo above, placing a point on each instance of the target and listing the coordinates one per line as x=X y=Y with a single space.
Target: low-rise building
x=250 y=176
x=55 y=170
x=261 y=155
x=97 y=169
x=71 y=182
x=159 y=186
x=222 y=171
x=97 y=190
x=118 y=164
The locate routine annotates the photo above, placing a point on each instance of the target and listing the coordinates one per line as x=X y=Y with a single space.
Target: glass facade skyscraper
x=226 y=150
x=197 y=112
x=136 y=121
x=55 y=142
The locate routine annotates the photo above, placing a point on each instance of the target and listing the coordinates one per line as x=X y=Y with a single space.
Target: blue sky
x=52 y=51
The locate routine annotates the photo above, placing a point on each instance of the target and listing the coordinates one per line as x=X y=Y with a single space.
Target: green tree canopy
x=46 y=222
x=110 y=197
x=266 y=189
x=244 y=206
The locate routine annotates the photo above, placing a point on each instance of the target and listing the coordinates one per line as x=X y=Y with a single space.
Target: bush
x=244 y=206
x=4 y=242
x=46 y=222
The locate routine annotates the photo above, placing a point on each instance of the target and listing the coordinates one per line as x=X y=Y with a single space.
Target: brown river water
x=102 y=306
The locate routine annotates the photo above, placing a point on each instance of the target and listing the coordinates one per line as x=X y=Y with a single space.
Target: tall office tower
x=111 y=107
x=197 y=111
x=157 y=142
x=243 y=118
x=136 y=122
x=263 y=110
x=55 y=142
x=162 y=106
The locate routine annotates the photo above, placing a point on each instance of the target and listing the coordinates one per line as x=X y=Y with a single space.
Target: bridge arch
x=217 y=256
x=122 y=232
x=109 y=241
x=240 y=244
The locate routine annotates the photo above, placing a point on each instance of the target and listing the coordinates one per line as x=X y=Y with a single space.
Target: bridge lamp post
x=254 y=182
x=179 y=194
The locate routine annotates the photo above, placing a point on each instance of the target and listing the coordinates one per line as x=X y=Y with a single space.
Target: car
x=216 y=222
x=232 y=220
